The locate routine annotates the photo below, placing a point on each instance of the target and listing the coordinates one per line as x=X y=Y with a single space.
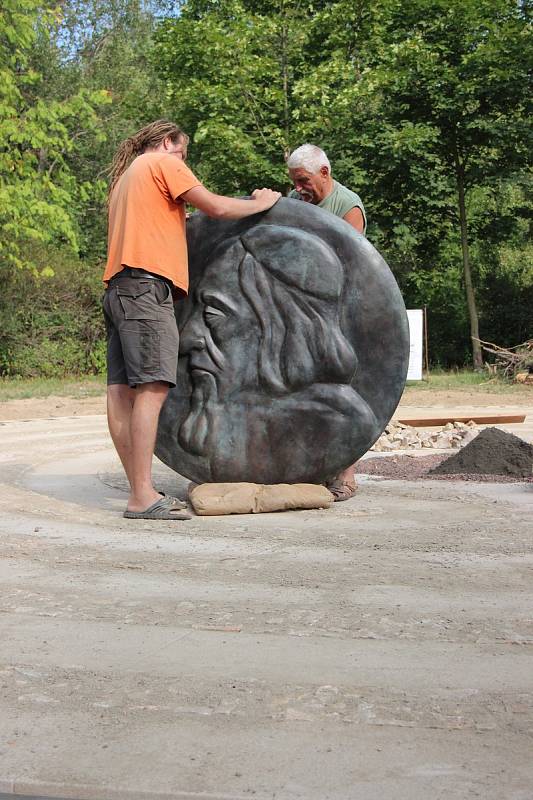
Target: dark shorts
x=142 y=335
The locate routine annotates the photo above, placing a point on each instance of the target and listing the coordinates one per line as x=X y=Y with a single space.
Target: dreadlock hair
x=148 y=137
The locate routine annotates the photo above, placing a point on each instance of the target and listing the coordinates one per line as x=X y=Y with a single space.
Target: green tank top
x=339 y=202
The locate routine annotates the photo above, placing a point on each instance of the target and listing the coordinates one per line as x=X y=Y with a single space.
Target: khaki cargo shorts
x=142 y=335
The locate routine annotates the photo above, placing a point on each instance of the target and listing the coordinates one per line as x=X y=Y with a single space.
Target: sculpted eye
x=213 y=315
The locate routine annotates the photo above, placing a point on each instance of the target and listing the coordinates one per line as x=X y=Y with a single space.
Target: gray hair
x=302 y=342
x=310 y=157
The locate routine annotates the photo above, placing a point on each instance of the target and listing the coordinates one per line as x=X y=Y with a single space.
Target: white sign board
x=416 y=347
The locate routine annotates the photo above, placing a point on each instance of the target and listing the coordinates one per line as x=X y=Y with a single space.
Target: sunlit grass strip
x=20 y=388
x=467 y=380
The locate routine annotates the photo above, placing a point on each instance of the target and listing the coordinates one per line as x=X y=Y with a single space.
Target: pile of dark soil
x=492 y=457
x=411 y=468
x=492 y=452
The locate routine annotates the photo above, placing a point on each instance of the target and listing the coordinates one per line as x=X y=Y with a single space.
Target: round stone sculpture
x=294 y=347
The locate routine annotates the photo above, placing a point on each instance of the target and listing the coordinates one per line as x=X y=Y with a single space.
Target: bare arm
x=354 y=217
x=220 y=207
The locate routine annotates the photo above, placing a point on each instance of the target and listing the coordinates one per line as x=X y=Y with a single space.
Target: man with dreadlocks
x=146 y=270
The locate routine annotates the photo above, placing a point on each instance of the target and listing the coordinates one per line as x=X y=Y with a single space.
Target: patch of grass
x=95 y=385
x=20 y=388
x=466 y=380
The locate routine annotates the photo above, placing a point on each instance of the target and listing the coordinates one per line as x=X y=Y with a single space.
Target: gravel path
x=412 y=468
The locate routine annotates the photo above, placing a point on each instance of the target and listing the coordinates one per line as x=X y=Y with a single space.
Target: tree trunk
x=43 y=154
x=285 y=78
x=469 y=289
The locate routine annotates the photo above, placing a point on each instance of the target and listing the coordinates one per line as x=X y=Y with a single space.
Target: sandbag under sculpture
x=294 y=347
x=213 y=499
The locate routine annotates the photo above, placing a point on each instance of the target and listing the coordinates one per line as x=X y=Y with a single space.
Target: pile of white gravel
x=397 y=436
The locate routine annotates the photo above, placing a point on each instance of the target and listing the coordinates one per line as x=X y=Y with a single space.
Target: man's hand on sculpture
x=221 y=207
x=266 y=198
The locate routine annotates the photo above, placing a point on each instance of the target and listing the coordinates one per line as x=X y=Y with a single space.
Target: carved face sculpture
x=268 y=363
x=217 y=341
x=222 y=327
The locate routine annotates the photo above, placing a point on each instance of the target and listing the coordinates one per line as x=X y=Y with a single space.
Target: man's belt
x=135 y=272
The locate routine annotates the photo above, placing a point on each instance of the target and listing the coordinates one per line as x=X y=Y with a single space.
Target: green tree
x=38 y=190
x=230 y=69
x=102 y=48
x=75 y=81
x=422 y=107
x=449 y=86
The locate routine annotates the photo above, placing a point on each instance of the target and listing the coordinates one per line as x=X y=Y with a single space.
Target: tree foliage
x=423 y=107
x=459 y=70
x=229 y=70
x=38 y=190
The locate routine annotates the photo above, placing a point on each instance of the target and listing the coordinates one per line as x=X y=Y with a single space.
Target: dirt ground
x=47 y=407
x=475 y=397
x=381 y=649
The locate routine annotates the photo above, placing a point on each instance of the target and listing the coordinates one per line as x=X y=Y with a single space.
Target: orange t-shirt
x=147 y=218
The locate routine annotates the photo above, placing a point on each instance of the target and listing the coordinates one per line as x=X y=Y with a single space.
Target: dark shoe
x=161 y=509
x=342 y=490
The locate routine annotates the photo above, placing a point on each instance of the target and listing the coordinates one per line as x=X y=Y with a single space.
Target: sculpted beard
x=195 y=430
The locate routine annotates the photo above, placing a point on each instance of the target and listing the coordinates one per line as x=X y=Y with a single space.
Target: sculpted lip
x=196 y=367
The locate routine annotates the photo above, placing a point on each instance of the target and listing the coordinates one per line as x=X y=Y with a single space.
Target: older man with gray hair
x=310 y=173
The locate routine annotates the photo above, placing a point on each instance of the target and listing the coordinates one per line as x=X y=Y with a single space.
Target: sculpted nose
x=191 y=335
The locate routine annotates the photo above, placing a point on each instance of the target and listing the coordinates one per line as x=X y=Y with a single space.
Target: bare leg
x=344 y=486
x=348 y=475
x=133 y=415
x=120 y=399
x=143 y=429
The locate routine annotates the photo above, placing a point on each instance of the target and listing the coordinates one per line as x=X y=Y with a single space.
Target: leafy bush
x=51 y=325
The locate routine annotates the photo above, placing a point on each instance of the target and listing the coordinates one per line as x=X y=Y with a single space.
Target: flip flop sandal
x=342 y=490
x=161 y=509
x=176 y=502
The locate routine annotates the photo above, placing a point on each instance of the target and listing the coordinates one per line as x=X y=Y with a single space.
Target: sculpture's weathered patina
x=293 y=352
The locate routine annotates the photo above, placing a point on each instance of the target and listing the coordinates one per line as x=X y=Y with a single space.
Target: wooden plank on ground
x=492 y=419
